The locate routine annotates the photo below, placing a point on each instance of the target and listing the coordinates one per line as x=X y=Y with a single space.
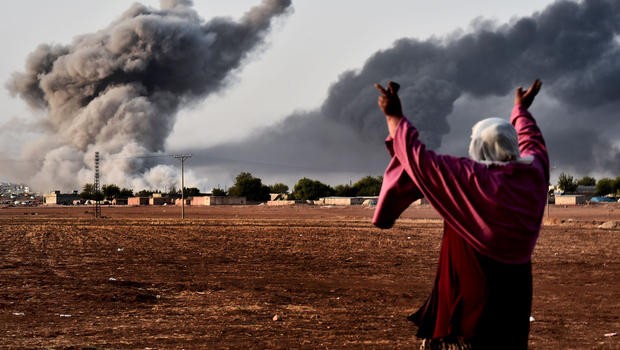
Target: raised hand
x=525 y=98
x=389 y=102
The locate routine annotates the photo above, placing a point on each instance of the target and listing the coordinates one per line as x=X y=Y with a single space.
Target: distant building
x=188 y=201
x=586 y=190
x=158 y=200
x=343 y=200
x=215 y=200
x=570 y=200
x=282 y=199
x=138 y=201
x=57 y=198
x=120 y=201
x=278 y=196
x=286 y=202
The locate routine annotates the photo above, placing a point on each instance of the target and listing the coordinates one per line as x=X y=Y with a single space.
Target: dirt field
x=140 y=278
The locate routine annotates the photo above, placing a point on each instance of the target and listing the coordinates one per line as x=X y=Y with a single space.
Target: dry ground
x=140 y=278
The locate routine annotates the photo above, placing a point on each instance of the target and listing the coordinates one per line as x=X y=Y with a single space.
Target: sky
x=286 y=76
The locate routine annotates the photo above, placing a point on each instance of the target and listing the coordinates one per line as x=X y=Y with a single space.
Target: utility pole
x=96 y=187
x=182 y=157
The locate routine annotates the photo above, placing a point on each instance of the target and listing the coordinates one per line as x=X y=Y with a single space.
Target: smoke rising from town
x=449 y=83
x=118 y=90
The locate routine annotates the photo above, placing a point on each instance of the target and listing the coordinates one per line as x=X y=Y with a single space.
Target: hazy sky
x=304 y=54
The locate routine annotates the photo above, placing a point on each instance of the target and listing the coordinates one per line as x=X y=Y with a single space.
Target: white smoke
x=117 y=91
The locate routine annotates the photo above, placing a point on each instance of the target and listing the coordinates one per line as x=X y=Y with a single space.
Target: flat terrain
x=142 y=278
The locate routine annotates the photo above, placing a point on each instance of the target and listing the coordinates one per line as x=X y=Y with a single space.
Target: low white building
x=216 y=200
x=342 y=200
x=57 y=198
x=570 y=200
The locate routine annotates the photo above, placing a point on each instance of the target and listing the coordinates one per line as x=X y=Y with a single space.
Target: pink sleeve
x=397 y=192
x=531 y=142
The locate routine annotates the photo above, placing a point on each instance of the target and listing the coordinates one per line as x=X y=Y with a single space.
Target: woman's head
x=494 y=140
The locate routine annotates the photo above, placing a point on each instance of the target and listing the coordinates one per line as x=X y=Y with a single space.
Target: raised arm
x=495 y=208
x=531 y=141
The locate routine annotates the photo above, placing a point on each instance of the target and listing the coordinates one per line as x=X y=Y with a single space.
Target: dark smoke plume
x=117 y=91
x=573 y=47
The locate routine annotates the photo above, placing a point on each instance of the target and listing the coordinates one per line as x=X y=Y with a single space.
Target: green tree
x=218 y=192
x=110 y=191
x=125 y=193
x=144 y=193
x=368 y=186
x=250 y=187
x=191 y=192
x=605 y=186
x=344 y=191
x=616 y=184
x=88 y=192
x=566 y=183
x=586 y=181
x=278 y=188
x=174 y=193
x=307 y=189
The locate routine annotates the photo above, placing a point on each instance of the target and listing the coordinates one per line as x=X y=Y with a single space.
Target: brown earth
x=142 y=278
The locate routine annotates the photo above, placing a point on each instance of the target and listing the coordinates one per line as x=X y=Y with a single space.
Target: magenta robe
x=490 y=211
x=496 y=208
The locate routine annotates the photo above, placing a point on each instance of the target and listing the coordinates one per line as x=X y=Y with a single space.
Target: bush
x=249 y=187
x=307 y=189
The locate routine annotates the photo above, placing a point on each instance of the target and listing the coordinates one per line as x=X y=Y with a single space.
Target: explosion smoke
x=573 y=47
x=118 y=90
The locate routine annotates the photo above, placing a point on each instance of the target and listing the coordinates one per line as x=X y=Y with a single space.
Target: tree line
x=605 y=186
x=251 y=187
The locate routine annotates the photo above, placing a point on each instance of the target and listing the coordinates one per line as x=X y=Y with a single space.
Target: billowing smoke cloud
x=117 y=91
x=573 y=47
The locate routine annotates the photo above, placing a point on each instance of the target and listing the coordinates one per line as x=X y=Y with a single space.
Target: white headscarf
x=495 y=140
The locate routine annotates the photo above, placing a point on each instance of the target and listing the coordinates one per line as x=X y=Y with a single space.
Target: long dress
x=476 y=298
x=492 y=216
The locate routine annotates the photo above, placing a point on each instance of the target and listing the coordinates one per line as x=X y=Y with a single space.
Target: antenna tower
x=96 y=189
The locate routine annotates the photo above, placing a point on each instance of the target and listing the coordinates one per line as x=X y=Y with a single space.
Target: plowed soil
x=264 y=277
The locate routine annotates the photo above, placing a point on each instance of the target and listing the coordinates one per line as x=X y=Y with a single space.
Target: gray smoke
x=573 y=47
x=117 y=91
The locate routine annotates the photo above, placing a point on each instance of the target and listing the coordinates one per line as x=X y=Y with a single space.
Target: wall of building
x=343 y=200
x=217 y=200
x=158 y=201
x=57 y=198
x=138 y=201
x=570 y=200
x=285 y=202
x=188 y=201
